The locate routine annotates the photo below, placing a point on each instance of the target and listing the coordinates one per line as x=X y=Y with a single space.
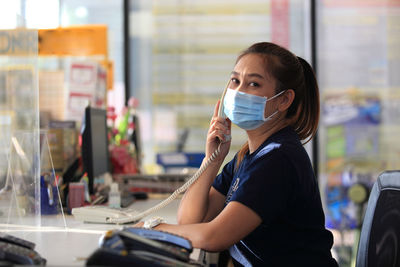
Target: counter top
x=69 y=242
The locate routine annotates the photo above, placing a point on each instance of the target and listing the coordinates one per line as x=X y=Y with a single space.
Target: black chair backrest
x=380 y=233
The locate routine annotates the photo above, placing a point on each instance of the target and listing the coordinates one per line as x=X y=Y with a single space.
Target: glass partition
x=358 y=64
x=182 y=56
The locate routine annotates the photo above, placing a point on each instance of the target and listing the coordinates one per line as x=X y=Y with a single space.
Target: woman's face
x=250 y=76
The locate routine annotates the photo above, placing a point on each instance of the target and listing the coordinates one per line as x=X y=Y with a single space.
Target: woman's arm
x=199 y=197
x=234 y=223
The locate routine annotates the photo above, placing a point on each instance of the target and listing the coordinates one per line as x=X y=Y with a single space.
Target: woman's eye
x=254 y=84
x=234 y=80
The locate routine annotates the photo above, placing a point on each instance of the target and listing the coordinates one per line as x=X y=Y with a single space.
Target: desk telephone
x=142 y=247
x=14 y=250
x=110 y=215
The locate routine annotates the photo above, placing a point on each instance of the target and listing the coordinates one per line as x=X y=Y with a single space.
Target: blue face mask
x=246 y=110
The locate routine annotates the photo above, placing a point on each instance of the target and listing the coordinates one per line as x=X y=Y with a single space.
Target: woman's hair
x=290 y=72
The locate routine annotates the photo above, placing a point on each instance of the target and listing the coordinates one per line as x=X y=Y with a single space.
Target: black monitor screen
x=95 y=144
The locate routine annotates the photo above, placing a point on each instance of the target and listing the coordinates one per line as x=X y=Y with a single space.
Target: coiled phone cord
x=132 y=217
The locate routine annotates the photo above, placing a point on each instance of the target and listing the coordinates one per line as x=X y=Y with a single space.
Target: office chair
x=379 y=243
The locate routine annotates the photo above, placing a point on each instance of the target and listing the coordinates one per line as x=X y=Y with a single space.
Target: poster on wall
x=86 y=85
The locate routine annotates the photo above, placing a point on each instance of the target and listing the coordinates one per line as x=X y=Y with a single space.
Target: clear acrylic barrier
x=26 y=173
x=18 y=203
x=52 y=213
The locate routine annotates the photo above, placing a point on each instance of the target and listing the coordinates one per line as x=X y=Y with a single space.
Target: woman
x=265 y=205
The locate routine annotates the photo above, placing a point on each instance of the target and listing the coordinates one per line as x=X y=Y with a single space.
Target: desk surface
x=72 y=244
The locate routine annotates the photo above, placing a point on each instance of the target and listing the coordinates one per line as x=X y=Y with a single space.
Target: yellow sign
x=19 y=42
x=88 y=40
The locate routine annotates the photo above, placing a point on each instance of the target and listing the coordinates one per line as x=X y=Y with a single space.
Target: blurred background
x=167 y=62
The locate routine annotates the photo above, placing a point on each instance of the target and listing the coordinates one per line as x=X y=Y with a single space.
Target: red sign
x=280 y=22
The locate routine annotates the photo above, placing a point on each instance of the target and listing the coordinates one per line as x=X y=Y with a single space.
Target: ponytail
x=306 y=123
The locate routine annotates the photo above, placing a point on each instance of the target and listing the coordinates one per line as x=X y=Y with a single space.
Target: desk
x=71 y=245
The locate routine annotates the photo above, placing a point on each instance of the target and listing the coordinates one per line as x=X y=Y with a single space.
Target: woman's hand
x=219 y=129
x=139 y=224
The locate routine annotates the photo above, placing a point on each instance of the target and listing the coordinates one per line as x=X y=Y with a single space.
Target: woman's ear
x=286 y=100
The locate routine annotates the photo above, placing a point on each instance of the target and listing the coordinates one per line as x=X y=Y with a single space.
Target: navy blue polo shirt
x=278 y=183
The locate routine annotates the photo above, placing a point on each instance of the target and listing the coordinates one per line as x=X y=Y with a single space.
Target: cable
x=133 y=216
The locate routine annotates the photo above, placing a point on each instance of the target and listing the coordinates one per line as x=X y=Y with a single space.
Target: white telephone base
x=104 y=214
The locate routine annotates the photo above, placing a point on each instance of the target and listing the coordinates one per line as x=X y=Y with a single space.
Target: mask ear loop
x=278 y=94
x=273 y=114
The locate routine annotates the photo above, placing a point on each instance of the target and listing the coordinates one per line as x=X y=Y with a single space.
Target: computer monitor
x=95 y=157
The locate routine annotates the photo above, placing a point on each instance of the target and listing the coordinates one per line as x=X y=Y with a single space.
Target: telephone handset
x=221 y=102
x=18 y=251
x=91 y=214
x=221 y=109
